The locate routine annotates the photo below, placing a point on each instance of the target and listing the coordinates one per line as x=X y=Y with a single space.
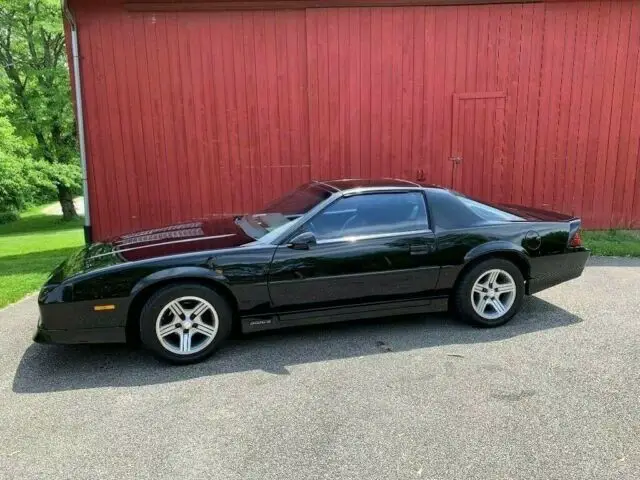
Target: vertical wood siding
x=194 y=113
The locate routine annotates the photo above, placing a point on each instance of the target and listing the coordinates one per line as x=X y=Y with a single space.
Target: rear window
x=453 y=210
x=487 y=212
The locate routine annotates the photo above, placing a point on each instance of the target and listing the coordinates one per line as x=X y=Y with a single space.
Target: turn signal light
x=102 y=308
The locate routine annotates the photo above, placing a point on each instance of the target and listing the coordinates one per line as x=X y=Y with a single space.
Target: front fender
x=177 y=273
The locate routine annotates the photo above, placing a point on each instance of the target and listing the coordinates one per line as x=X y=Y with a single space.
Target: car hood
x=188 y=237
x=535 y=214
x=198 y=235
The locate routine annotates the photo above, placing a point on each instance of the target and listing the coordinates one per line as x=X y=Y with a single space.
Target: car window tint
x=449 y=212
x=488 y=212
x=371 y=214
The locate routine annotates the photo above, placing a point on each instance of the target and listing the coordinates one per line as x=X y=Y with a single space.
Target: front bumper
x=552 y=270
x=83 y=335
x=79 y=322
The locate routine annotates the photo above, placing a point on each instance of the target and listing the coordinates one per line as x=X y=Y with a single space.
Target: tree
x=15 y=189
x=32 y=58
x=22 y=180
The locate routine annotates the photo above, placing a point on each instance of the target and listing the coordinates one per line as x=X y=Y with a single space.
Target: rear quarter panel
x=529 y=240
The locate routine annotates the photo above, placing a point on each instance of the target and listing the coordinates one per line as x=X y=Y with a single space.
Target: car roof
x=353 y=183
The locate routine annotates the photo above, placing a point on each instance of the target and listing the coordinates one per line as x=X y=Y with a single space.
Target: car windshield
x=272 y=219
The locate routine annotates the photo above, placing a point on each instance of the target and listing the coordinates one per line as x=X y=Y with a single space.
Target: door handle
x=419 y=249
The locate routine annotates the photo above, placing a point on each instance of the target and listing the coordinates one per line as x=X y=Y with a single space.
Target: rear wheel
x=490 y=293
x=185 y=323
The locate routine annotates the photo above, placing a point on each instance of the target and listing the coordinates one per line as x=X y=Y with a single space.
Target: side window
x=370 y=214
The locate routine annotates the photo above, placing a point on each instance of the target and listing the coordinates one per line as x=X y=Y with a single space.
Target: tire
x=487 y=277
x=185 y=324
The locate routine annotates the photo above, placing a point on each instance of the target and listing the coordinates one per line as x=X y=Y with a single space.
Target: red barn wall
x=191 y=113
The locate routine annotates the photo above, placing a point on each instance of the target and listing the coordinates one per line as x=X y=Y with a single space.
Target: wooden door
x=478 y=145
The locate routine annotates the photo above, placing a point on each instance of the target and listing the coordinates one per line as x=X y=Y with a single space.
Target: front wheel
x=185 y=323
x=491 y=293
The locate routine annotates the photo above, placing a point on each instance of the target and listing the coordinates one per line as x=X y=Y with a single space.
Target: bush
x=24 y=181
x=8 y=217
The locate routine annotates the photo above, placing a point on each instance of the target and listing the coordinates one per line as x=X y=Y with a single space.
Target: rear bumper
x=555 y=269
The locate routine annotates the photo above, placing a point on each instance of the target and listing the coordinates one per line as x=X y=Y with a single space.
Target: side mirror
x=304 y=241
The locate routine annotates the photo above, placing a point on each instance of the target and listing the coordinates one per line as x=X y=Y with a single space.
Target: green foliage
x=8 y=217
x=24 y=181
x=41 y=159
x=620 y=243
x=16 y=171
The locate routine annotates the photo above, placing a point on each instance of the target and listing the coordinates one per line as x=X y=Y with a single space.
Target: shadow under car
x=52 y=368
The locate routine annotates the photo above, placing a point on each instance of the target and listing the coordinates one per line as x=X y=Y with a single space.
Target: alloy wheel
x=187 y=325
x=493 y=294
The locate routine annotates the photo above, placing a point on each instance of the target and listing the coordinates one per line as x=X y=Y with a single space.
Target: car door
x=372 y=248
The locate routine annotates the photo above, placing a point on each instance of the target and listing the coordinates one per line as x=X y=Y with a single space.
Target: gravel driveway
x=555 y=394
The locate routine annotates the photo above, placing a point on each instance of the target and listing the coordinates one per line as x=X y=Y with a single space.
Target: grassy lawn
x=623 y=243
x=30 y=248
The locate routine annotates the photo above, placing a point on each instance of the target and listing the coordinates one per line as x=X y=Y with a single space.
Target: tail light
x=575 y=240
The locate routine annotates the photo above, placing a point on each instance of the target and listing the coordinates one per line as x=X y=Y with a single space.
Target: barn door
x=477 y=144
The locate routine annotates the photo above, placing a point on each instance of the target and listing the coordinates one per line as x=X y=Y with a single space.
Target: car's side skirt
x=341 y=314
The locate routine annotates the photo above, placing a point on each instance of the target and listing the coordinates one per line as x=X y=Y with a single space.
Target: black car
x=326 y=252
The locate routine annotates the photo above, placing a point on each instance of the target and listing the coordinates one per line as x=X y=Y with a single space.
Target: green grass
x=30 y=248
x=622 y=243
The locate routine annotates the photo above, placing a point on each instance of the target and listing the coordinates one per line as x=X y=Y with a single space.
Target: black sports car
x=326 y=252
